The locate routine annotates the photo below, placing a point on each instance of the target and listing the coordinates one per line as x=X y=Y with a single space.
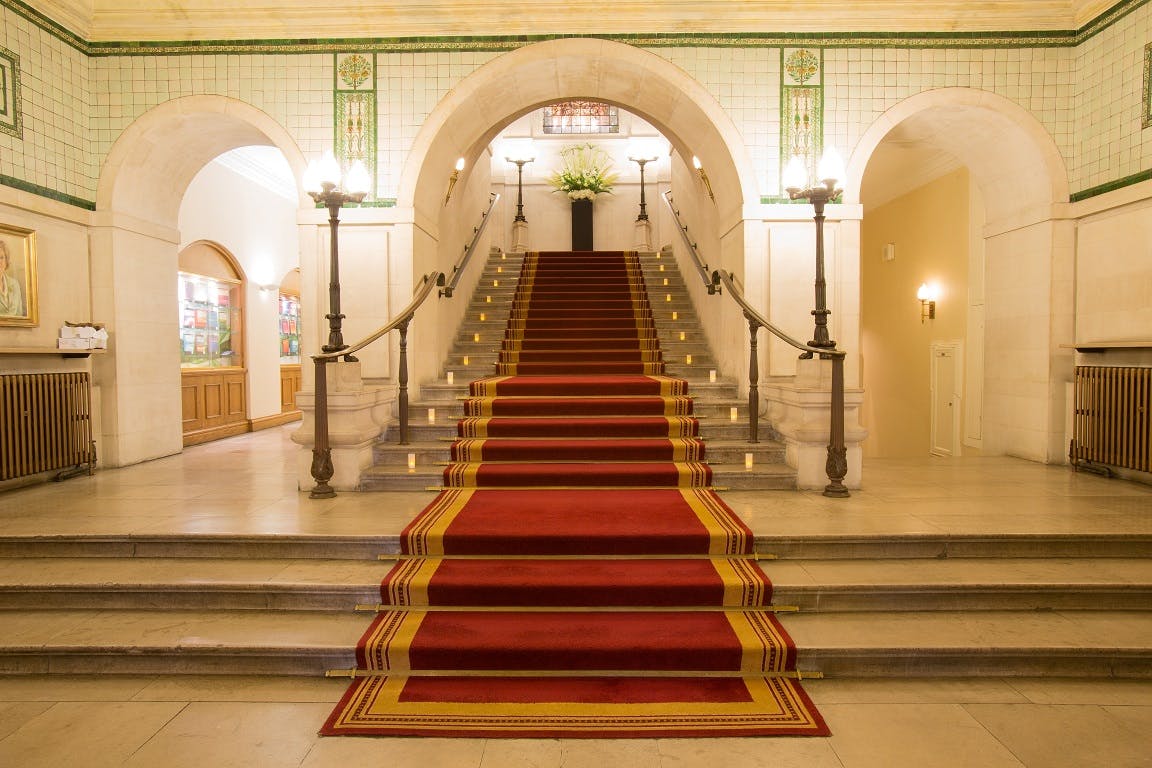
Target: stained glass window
x=581 y=117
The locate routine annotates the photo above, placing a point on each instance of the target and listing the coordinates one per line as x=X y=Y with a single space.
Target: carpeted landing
x=577 y=577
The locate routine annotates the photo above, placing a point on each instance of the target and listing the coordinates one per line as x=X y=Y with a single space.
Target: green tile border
x=36 y=189
x=1146 y=111
x=12 y=114
x=1111 y=186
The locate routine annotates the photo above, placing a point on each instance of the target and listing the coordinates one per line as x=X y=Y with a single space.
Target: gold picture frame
x=18 y=299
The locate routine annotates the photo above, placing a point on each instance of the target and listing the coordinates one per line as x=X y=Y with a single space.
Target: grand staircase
x=876 y=598
x=475 y=352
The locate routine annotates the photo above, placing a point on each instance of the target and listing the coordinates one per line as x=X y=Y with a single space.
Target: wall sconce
x=927 y=294
x=703 y=176
x=453 y=179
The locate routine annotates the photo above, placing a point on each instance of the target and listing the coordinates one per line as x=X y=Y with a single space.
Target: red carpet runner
x=577 y=577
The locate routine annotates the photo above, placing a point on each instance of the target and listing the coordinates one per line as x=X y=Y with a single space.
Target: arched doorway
x=466 y=121
x=134 y=259
x=986 y=230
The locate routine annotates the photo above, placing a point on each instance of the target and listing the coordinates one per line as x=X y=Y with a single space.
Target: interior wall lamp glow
x=453 y=179
x=927 y=294
x=703 y=176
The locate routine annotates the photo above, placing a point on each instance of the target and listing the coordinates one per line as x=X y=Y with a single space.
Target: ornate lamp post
x=831 y=172
x=642 y=152
x=521 y=152
x=323 y=182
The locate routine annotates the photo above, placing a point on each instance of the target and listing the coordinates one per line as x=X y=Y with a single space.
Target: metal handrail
x=711 y=281
x=322 y=469
x=458 y=270
x=837 y=464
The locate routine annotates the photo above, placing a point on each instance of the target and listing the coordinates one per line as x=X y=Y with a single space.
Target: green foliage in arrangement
x=585 y=173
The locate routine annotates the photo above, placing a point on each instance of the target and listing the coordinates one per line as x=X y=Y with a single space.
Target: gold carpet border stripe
x=764 y=650
x=724 y=535
x=773 y=703
x=386 y=646
x=409 y=583
x=742 y=586
x=426 y=535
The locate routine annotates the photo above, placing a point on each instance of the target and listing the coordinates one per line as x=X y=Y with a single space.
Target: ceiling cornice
x=149 y=21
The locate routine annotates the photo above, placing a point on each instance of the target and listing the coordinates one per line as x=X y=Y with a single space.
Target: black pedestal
x=582 y=225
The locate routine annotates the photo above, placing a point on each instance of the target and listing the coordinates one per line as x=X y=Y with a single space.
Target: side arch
x=151 y=164
x=1011 y=156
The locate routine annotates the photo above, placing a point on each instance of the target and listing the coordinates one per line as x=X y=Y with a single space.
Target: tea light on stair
x=667 y=297
x=432 y=415
x=475 y=337
x=681 y=335
x=495 y=283
x=488 y=299
x=451 y=377
x=665 y=281
x=411 y=462
x=503 y=256
x=465 y=359
x=688 y=360
x=712 y=377
x=500 y=269
x=747 y=461
x=675 y=315
x=661 y=267
x=734 y=413
x=483 y=317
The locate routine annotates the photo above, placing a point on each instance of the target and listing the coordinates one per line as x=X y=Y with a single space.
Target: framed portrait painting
x=17 y=277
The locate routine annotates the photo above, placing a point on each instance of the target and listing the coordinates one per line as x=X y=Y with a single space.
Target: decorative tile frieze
x=801 y=107
x=11 y=120
x=354 y=114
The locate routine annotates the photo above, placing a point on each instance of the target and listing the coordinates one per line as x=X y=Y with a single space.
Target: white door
x=946 y=388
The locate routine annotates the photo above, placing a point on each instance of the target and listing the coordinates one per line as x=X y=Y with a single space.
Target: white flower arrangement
x=586 y=172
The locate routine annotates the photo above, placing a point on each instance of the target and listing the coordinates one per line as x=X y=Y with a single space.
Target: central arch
x=465 y=122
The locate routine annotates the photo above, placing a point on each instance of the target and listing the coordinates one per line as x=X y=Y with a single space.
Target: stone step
x=891 y=545
x=717 y=409
x=863 y=644
x=398 y=477
x=419 y=430
x=717 y=452
x=1022 y=584
x=974 y=643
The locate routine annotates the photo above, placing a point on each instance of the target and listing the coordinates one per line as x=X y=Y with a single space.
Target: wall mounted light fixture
x=927 y=294
x=703 y=176
x=453 y=179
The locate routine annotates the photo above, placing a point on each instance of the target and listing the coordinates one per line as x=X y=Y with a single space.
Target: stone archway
x=475 y=112
x=466 y=121
x=1021 y=297
x=134 y=259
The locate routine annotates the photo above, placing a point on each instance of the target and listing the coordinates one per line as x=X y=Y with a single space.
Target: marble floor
x=246 y=486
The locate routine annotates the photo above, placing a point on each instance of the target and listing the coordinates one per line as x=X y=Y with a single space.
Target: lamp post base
x=519 y=236
x=643 y=237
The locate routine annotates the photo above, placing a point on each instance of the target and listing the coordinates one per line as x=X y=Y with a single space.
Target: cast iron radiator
x=1113 y=417
x=45 y=424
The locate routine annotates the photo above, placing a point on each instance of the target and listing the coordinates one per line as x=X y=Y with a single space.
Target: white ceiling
x=118 y=20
